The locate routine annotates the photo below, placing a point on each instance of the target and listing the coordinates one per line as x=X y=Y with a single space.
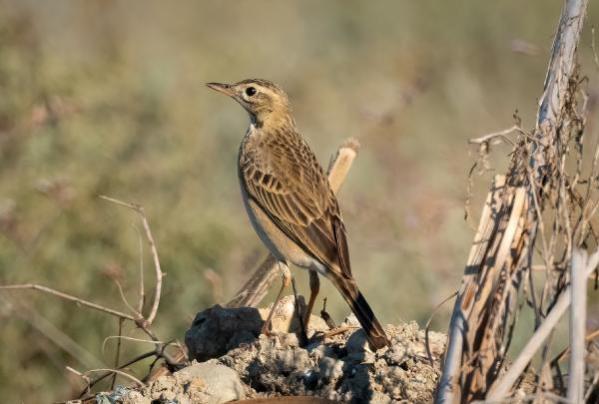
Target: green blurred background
x=108 y=97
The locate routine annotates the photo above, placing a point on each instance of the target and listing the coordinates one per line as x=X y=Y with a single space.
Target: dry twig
x=158 y=270
x=70 y=298
x=137 y=317
x=110 y=371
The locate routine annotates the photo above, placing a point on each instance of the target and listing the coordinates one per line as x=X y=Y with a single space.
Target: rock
x=202 y=383
x=214 y=382
x=357 y=342
x=218 y=329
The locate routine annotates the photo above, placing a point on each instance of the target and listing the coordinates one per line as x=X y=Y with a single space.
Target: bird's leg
x=286 y=274
x=314 y=289
x=299 y=315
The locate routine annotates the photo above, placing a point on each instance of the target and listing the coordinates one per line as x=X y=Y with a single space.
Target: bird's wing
x=293 y=191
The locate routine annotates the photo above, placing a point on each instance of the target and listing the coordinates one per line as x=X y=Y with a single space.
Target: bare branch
x=428 y=324
x=85 y=378
x=123 y=337
x=491 y=136
x=119 y=372
x=142 y=292
x=123 y=366
x=70 y=298
x=159 y=274
x=124 y=299
x=117 y=355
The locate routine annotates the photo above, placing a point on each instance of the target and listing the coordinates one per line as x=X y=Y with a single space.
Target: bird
x=289 y=200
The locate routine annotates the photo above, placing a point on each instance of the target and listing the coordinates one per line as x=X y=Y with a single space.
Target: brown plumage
x=289 y=200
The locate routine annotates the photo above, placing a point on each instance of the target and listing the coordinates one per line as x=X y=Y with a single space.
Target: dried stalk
x=458 y=325
x=502 y=386
x=117 y=355
x=578 y=295
x=503 y=248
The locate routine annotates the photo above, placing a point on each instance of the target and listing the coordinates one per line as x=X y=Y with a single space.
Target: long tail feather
x=360 y=307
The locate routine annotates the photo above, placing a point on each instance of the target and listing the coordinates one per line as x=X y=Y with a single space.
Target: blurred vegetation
x=108 y=97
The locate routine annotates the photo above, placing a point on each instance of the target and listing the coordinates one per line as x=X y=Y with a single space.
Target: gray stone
x=218 y=383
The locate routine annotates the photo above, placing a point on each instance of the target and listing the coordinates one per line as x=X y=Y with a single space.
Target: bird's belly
x=280 y=246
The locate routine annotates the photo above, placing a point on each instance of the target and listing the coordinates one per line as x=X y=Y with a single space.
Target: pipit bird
x=289 y=200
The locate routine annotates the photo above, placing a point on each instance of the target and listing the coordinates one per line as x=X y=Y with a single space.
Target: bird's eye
x=250 y=91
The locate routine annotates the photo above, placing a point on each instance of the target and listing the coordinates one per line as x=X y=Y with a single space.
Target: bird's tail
x=361 y=309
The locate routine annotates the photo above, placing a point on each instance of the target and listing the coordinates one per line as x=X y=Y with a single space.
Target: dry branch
x=110 y=371
x=70 y=298
x=137 y=317
x=158 y=270
x=502 y=253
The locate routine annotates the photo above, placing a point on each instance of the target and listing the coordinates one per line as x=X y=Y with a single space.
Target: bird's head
x=263 y=100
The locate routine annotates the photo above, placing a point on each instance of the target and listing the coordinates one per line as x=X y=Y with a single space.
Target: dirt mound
x=336 y=364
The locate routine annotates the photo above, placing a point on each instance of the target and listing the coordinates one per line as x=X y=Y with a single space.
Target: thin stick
x=83 y=376
x=123 y=337
x=70 y=298
x=159 y=274
x=340 y=330
x=119 y=372
x=501 y=134
x=124 y=365
x=503 y=385
x=428 y=324
x=124 y=299
x=142 y=292
x=117 y=354
x=578 y=293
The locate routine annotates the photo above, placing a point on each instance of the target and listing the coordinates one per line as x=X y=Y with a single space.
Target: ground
x=237 y=362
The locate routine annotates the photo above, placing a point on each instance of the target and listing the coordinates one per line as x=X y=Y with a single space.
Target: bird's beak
x=226 y=89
